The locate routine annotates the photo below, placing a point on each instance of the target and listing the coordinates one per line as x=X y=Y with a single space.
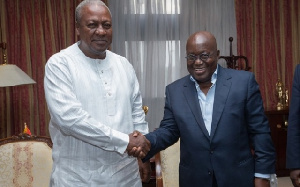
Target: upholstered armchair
x=25 y=161
x=167 y=166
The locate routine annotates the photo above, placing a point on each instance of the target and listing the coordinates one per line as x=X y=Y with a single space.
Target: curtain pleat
x=34 y=30
x=268 y=34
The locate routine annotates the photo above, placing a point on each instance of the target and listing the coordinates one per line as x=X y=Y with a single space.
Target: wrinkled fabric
x=94 y=104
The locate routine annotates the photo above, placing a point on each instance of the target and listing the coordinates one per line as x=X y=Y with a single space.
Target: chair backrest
x=167 y=166
x=25 y=161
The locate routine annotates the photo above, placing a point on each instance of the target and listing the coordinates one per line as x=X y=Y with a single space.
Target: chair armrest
x=159 y=179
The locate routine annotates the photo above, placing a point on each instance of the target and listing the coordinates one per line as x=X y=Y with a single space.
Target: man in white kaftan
x=94 y=104
x=93 y=128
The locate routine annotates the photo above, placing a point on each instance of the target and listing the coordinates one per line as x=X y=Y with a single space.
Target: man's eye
x=204 y=56
x=192 y=57
x=92 y=25
x=107 y=26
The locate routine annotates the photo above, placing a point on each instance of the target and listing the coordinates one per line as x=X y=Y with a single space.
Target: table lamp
x=12 y=75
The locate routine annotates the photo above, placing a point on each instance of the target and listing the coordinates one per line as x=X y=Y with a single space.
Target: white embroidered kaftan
x=94 y=104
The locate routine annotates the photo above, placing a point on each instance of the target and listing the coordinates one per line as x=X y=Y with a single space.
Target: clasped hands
x=138 y=145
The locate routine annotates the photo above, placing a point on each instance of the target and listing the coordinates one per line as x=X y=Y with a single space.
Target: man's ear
x=77 y=28
x=218 y=53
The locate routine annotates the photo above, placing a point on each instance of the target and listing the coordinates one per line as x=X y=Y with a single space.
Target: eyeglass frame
x=195 y=57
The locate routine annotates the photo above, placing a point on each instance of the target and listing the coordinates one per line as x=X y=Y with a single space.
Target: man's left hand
x=145 y=170
x=259 y=182
x=295 y=177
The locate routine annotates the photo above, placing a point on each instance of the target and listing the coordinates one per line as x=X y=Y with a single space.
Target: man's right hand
x=138 y=145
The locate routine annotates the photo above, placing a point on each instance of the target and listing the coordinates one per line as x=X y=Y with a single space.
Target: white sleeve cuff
x=119 y=142
x=265 y=176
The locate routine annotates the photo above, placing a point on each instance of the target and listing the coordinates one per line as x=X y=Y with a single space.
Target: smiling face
x=202 y=43
x=95 y=30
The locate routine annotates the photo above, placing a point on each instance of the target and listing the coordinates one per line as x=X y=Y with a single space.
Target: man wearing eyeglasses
x=219 y=117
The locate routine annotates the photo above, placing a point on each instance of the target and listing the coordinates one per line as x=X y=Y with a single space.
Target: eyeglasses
x=203 y=57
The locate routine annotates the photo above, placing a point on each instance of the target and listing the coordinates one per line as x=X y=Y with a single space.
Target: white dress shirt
x=94 y=104
x=206 y=102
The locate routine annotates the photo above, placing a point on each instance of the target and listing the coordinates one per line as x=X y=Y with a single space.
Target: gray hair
x=84 y=3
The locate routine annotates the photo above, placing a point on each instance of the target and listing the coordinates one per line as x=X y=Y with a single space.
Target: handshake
x=138 y=145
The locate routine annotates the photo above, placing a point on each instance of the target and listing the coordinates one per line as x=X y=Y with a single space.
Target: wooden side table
x=278 y=120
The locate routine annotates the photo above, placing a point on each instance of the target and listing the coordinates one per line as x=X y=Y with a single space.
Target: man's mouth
x=100 y=41
x=199 y=70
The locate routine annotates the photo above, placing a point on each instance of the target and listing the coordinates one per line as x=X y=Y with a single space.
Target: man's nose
x=100 y=30
x=198 y=60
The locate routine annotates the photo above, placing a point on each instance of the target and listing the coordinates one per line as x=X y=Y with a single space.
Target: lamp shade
x=12 y=75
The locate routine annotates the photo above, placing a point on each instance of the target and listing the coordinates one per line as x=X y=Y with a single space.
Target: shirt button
x=209 y=172
x=211 y=151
